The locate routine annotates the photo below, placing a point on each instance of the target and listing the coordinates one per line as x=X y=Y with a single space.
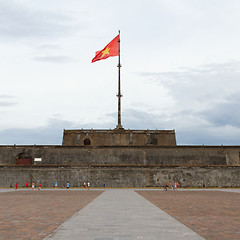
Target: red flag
x=111 y=50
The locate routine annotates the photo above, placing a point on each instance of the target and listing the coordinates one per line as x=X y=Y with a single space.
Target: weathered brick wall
x=178 y=155
x=119 y=137
x=120 y=176
x=122 y=166
x=175 y=155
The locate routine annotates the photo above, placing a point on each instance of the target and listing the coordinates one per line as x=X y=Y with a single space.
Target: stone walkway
x=7 y=190
x=122 y=215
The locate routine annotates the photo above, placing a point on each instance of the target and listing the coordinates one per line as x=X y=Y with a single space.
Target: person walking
x=166 y=186
x=27 y=184
x=88 y=185
x=39 y=187
x=68 y=185
x=16 y=186
x=33 y=186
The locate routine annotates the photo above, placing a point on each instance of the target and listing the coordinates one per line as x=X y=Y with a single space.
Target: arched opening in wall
x=87 y=141
x=24 y=159
x=152 y=139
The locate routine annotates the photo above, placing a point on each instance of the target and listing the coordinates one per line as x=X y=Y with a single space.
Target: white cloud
x=180 y=61
x=7 y=101
x=19 y=21
x=206 y=101
x=55 y=59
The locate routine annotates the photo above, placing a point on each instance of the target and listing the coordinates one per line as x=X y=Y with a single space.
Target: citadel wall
x=145 y=155
x=120 y=176
x=120 y=166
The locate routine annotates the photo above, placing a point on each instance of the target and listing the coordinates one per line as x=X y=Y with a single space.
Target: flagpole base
x=119 y=128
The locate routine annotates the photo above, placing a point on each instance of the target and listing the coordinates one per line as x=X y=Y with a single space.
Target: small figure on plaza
x=166 y=186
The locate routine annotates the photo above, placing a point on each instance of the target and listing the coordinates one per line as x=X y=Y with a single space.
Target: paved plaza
x=112 y=214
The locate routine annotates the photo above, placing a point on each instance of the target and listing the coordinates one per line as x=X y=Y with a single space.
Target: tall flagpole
x=119 y=86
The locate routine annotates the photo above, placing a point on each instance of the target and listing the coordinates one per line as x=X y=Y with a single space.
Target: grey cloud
x=209 y=93
x=56 y=59
x=7 y=101
x=6 y=96
x=217 y=74
x=52 y=133
x=48 y=46
x=226 y=113
x=132 y=119
x=206 y=136
x=136 y=119
x=7 y=104
x=18 y=21
x=189 y=130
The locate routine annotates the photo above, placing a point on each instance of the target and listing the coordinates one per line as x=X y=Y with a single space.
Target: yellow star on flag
x=111 y=50
x=105 y=52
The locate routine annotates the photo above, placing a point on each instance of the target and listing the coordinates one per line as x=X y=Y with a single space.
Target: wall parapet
x=118 y=137
x=162 y=155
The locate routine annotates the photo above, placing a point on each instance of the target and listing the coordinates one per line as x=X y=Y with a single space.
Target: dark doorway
x=24 y=159
x=87 y=141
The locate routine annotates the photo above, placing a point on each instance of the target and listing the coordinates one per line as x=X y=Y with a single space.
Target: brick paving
x=211 y=214
x=34 y=214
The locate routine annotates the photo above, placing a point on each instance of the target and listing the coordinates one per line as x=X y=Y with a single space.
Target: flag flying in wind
x=111 y=50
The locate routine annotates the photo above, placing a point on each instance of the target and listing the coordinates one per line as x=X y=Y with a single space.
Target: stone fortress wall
x=120 y=166
x=118 y=137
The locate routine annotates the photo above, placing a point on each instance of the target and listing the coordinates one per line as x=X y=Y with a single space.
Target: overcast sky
x=180 y=68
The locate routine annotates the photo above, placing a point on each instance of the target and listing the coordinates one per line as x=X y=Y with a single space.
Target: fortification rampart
x=120 y=166
x=120 y=176
x=172 y=155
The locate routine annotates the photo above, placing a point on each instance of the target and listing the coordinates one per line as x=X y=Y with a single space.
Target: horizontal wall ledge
x=116 y=165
